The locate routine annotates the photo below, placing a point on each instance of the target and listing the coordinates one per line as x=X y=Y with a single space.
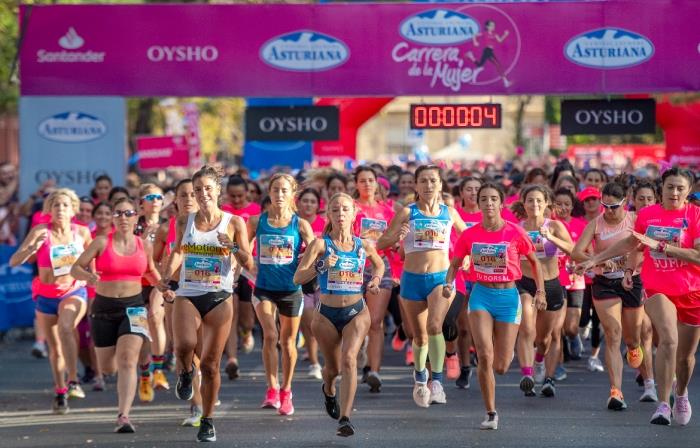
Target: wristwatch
x=234 y=248
x=321 y=266
x=661 y=247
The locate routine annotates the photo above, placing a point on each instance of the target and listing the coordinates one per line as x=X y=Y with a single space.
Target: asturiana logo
x=439 y=27
x=609 y=48
x=306 y=51
x=72 y=127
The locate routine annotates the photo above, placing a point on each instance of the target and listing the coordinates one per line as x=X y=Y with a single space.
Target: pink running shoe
x=286 y=406
x=682 y=410
x=452 y=366
x=272 y=399
x=409 y=355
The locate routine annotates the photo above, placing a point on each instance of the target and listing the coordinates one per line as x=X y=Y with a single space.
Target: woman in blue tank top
x=279 y=234
x=426 y=227
x=342 y=320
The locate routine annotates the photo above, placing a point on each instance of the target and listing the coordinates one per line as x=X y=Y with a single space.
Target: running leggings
x=588 y=314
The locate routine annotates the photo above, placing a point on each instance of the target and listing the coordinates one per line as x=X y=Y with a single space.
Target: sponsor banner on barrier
x=608 y=117
x=16 y=304
x=613 y=46
x=72 y=141
x=159 y=153
x=307 y=123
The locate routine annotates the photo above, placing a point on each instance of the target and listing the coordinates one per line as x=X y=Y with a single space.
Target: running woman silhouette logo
x=471 y=45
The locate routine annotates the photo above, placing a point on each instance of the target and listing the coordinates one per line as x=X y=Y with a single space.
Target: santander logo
x=71 y=40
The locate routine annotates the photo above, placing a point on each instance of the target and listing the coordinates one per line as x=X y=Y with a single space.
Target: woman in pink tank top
x=61 y=300
x=619 y=308
x=118 y=317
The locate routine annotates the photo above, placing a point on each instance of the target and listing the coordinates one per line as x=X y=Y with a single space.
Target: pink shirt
x=571 y=281
x=495 y=256
x=680 y=228
x=246 y=212
x=371 y=222
x=318 y=225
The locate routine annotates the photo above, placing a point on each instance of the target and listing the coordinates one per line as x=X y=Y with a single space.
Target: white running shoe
x=682 y=410
x=315 y=371
x=194 y=418
x=491 y=421
x=649 y=395
x=437 y=393
x=421 y=395
x=595 y=365
x=540 y=372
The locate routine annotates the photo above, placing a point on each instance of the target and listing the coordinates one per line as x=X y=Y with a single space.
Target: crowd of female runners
x=489 y=276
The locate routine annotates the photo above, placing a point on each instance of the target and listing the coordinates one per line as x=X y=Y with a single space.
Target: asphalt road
x=576 y=417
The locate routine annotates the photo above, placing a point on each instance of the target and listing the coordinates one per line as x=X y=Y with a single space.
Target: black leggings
x=395 y=310
x=588 y=313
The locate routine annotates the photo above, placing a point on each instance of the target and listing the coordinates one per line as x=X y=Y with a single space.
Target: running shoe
x=183 y=388
x=75 y=391
x=560 y=373
x=682 y=410
x=491 y=421
x=272 y=399
x=473 y=358
x=301 y=340
x=146 y=393
x=594 y=365
x=616 y=402
x=540 y=372
x=640 y=380
x=452 y=366
x=247 y=342
x=662 y=416
x=232 y=369
x=437 y=393
x=39 y=350
x=315 y=371
x=206 y=432
x=635 y=357
x=60 y=404
x=421 y=395
x=194 y=419
x=345 y=428
x=332 y=406
x=286 y=405
x=365 y=373
x=374 y=382
x=397 y=344
x=649 y=395
x=409 y=355
x=124 y=426
x=527 y=385
x=575 y=348
x=160 y=382
x=98 y=384
x=548 y=389
x=465 y=374
x=88 y=375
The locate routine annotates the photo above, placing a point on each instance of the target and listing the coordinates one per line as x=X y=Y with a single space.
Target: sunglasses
x=612 y=206
x=127 y=213
x=153 y=197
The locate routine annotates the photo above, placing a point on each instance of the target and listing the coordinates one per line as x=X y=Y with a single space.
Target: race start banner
x=284 y=50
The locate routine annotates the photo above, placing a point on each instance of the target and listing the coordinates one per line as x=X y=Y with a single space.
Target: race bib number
x=346 y=275
x=536 y=238
x=430 y=234
x=670 y=235
x=490 y=259
x=63 y=256
x=203 y=272
x=138 y=320
x=276 y=249
x=372 y=229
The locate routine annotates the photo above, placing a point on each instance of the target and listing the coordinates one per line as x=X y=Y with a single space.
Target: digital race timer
x=456 y=116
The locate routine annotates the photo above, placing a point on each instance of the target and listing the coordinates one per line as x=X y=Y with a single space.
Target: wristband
x=234 y=248
x=449 y=286
x=661 y=247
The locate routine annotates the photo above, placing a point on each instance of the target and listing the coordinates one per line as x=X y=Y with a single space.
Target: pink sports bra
x=113 y=267
x=60 y=257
